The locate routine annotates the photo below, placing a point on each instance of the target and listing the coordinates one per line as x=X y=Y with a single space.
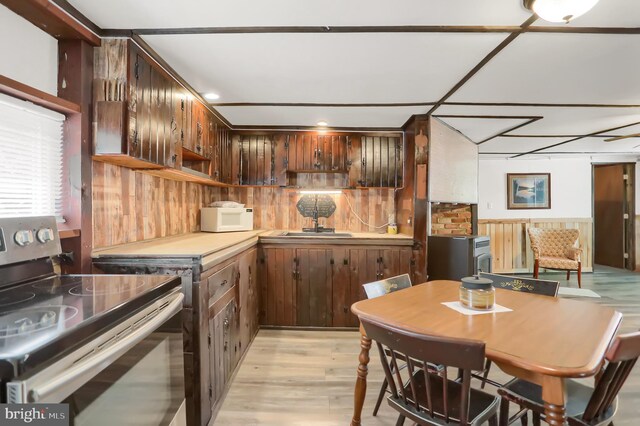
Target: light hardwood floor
x=307 y=377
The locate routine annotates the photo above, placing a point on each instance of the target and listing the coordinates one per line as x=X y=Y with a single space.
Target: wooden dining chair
x=585 y=406
x=426 y=397
x=521 y=284
x=377 y=289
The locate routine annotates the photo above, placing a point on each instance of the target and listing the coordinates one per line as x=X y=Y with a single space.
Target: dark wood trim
x=542 y=105
x=529 y=119
x=78 y=16
x=50 y=18
x=577 y=138
x=75 y=83
x=484 y=61
x=409 y=104
x=319 y=29
x=490 y=117
x=27 y=93
x=345 y=29
x=318 y=129
x=319 y=104
x=511 y=129
x=553 y=136
x=162 y=63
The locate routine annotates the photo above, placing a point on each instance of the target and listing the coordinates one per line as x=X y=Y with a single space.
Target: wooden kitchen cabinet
x=316 y=286
x=248 y=298
x=222 y=350
x=136 y=105
x=381 y=161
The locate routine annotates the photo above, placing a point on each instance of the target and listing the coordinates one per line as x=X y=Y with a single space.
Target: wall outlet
x=489 y=206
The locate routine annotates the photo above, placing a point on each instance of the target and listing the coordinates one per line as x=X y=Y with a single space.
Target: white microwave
x=225 y=219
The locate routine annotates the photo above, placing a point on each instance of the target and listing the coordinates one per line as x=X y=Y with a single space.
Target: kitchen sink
x=317 y=234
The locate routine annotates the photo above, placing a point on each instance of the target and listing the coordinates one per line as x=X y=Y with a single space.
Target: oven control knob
x=44 y=235
x=23 y=238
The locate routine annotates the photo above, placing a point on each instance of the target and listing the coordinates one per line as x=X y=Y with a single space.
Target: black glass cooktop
x=42 y=318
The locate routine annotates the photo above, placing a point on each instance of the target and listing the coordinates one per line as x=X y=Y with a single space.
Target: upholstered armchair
x=555 y=249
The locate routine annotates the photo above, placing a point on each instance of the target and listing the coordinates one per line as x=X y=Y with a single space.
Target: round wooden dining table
x=543 y=339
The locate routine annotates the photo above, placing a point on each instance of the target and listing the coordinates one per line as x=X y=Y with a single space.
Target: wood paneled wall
x=131 y=206
x=275 y=208
x=510 y=245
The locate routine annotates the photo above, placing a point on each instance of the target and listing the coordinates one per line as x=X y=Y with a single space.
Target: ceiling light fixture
x=211 y=96
x=322 y=123
x=559 y=10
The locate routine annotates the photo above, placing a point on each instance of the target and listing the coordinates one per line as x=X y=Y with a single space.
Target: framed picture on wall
x=528 y=191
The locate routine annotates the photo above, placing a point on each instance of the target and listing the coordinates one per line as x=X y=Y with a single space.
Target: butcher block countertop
x=209 y=248
x=356 y=238
x=194 y=245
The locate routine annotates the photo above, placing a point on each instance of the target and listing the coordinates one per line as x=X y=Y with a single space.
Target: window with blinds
x=30 y=159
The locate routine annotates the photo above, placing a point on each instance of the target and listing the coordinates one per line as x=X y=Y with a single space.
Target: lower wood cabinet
x=232 y=319
x=316 y=286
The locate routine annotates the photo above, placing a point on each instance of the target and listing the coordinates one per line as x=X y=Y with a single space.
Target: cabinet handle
x=223 y=283
x=345 y=261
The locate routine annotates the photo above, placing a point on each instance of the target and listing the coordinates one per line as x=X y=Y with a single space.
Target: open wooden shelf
x=192 y=156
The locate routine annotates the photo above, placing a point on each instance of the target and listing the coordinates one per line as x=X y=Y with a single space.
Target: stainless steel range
x=110 y=346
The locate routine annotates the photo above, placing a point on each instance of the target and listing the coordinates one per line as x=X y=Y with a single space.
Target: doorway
x=614 y=215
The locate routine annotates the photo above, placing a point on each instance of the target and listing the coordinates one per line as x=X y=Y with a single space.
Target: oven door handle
x=71 y=379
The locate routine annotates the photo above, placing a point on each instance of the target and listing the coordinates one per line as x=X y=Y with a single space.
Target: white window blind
x=30 y=159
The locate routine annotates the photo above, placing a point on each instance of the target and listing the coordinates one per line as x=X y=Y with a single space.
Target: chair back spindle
x=621 y=357
x=419 y=391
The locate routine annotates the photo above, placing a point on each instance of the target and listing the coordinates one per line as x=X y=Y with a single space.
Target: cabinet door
x=248 y=299
x=395 y=261
x=141 y=137
x=381 y=161
x=314 y=287
x=341 y=285
x=217 y=356
x=188 y=140
x=365 y=268
x=279 y=290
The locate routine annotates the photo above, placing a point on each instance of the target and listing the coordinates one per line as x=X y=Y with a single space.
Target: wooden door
x=343 y=294
x=279 y=288
x=248 y=299
x=609 y=211
x=314 y=287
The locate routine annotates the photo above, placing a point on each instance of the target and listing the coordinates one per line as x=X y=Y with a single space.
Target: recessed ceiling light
x=211 y=96
x=323 y=123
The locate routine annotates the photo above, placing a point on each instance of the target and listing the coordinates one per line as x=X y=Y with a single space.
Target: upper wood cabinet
x=313 y=159
x=144 y=119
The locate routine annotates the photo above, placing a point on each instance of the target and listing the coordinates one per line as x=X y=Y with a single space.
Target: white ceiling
x=230 y=13
x=384 y=67
x=333 y=68
x=562 y=68
x=479 y=129
x=337 y=117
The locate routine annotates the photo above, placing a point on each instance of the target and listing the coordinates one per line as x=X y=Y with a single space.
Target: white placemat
x=456 y=306
x=577 y=292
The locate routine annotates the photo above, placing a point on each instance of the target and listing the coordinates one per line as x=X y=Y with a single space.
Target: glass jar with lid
x=477 y=293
